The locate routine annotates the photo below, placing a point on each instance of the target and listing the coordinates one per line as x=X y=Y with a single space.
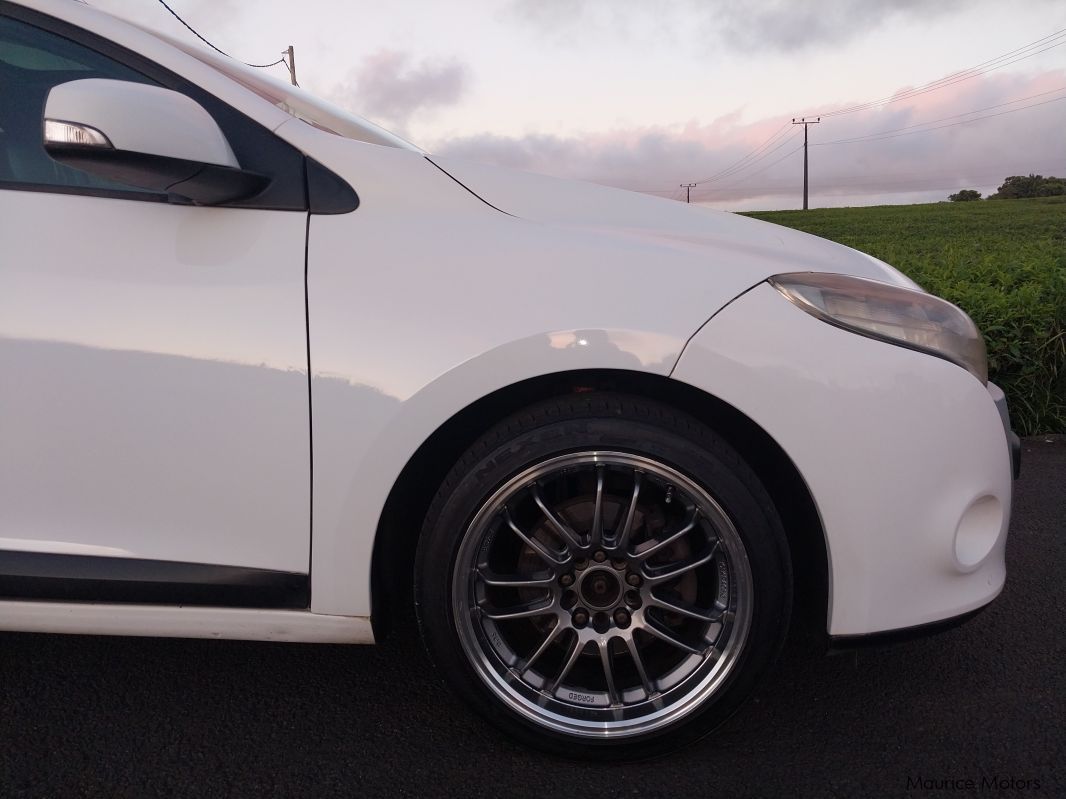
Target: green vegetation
x=1003 y=263
x=1023 y=186
x=965 y=196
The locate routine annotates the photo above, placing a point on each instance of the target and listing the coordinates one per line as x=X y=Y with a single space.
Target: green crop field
x=1002 y=261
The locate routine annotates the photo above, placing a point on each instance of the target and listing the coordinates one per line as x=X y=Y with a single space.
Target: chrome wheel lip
x=714 y=668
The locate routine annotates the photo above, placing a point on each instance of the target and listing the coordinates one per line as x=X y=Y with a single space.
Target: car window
x=32 y=61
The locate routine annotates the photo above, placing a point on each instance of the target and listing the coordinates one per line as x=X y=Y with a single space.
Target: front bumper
x=905 y=456
x=845 y=643
x=849 y=643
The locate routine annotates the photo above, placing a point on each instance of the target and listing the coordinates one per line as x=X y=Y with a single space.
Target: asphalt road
x=84 y=716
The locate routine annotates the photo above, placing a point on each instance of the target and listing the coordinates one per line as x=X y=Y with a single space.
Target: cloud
x=789 y=26
x=570 y=22
x=657 y=159
x=742 y=25
x=388 y=87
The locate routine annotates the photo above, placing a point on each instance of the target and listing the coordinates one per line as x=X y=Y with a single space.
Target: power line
x=916 y=181
x=906 y=132
x=893 y=179
x=1043 y=44
x=878 y=137
x=849 y=191
x=718 y=174
x=875 y=184
x=942 y=173
x=944 y=119
x=734 y=171
x=764 y=150
x=216 y=49
x=760 y=171
x=1042 y=40
x=923 y=128
x=1052 y=40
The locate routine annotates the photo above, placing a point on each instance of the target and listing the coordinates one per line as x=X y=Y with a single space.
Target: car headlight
x=889 y=313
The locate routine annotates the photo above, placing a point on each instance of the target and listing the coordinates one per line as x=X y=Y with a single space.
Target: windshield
x=293 y=100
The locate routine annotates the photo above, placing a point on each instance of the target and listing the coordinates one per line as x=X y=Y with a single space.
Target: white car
x=270 y=372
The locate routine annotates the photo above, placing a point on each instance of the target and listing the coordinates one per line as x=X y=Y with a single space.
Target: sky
x=650 y=94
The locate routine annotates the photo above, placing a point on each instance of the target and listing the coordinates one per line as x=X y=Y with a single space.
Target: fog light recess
x=978 y=531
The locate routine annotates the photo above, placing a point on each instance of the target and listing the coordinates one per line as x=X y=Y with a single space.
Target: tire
x=603 y=576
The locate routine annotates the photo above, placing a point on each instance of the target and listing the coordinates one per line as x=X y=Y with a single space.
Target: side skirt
x=63 y=577
x=245 y=624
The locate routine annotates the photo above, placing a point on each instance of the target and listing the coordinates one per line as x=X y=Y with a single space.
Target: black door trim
x=88 y=578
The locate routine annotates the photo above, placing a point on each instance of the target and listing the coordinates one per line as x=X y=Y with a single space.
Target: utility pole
x=291 y=64
x=688 y=191
x=805 y=122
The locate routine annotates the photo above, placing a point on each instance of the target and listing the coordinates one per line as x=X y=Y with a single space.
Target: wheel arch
x=399 y=526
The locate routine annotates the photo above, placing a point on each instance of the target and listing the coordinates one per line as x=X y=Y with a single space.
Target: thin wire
x=758 y=172
x=847 y=191
x=1047 y=42
x=960 y=76
x=750 y=158
x=737 y=169
x=867 y=180
x=721 y=172
x=735 y=172
x=875 y=182
x=216 y=49
x=1037 y=42
x=944 y=119
x=896 y=133
x=877 y=137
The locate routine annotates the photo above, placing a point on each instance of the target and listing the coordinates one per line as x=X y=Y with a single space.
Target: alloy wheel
x=602 y=594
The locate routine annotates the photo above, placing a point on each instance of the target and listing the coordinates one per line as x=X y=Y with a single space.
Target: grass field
x=1002 y=261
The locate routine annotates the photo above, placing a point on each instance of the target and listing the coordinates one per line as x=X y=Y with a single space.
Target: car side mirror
x=145 y=136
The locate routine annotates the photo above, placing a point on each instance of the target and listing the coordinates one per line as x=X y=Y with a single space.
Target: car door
x=154 y=430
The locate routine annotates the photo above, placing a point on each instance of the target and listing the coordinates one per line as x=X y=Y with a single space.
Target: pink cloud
x=976 y=155
x=387 y=85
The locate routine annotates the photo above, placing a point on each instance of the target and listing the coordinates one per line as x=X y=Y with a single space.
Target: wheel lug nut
x=566 y=579
x=581 y=563
x=581 y=617
x=633 y=579
x=633 y=599
x=621 y=617
x=600 y=556
x=619 y=564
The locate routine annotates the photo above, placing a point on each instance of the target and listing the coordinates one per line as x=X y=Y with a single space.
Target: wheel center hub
x=600 y=588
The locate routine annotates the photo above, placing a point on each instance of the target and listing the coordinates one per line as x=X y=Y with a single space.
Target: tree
x=965 y=196
x=1017 y=186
